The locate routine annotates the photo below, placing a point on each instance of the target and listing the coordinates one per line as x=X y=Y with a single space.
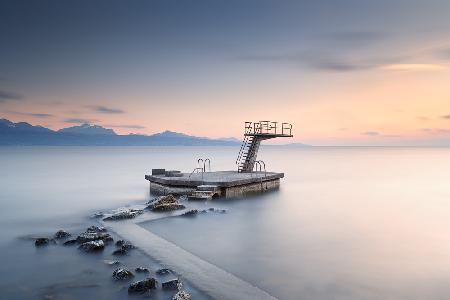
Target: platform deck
x=221 y=179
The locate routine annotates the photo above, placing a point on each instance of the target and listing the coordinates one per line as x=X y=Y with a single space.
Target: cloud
x=105 y=110
x=413 y=67
x=446 y=117
x=126 y=126
x=79 y=121
x=7 y=96
x=36 y=115
x=353 y=38
x=371 y=133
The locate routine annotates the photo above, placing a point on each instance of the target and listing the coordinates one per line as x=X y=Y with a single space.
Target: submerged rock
x=70 y=242
x=97 y=215
x=96 y=229
x=120 y=251
x=164 y=271
x=142 y=286
x=165 y=203
x=168 y=207
x=142 y=270
x=125 y=214
x=122 y=274
x=39 y=242
x=173 y=284
x=92 y=246
x=125 y=245
x=93 y=236
x=190 y=213
x=181 y=295
x=111 y=262
x=61 y=234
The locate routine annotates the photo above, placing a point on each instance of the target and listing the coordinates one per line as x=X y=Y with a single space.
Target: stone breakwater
x=206 y=277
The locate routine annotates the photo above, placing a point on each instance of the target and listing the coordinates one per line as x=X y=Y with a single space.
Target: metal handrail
x=209 y=165
x=267 y=127
x=286 y=127
x=196 y=171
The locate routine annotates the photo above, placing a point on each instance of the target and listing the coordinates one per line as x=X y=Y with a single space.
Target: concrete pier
x=221 y=183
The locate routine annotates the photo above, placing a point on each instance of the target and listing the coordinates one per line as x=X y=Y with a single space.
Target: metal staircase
x=254 y=134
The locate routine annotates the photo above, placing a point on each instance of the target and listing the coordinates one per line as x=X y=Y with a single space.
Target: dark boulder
x=111 y=262
x=173 y=284
x=39 y=242
x=61 y=234
x=164 y=271
x=93 y=236
x=92 y=246
x=122 y=215
x=181 y=295
x=165 y=203
x=125 y=244
x=96 y=229
x=122 y=274
x=142 y=270
x=168 y=207
x=120 y=251
x=142 y=286
x=190 y=213
x=70 y=242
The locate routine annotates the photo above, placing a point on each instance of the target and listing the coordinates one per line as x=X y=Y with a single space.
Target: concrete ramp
x=210 y=279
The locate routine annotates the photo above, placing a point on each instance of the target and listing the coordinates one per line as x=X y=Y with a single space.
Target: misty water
x=347 y=223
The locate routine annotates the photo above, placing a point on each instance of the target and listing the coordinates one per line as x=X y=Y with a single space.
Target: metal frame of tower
x=254 y=134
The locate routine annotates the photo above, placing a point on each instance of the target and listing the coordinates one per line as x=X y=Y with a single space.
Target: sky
x=342 y=72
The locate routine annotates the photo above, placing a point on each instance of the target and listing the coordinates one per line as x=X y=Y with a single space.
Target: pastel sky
x=342 y=72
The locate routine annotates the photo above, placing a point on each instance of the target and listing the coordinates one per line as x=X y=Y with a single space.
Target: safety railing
x=268 y=127
x=201 y=163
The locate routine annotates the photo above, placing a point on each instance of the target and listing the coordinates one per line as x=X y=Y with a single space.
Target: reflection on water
x=347 y=223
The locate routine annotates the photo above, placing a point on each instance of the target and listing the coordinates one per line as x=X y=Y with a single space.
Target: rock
x=125 y=245
x=93 y=236
x=142 y=270
x=70 y=242
x=190 y=213
x=97 y=215
x=111 y=262
x=39 y=242
x=168 y=207
x=173 y=284
x=122 y=274
x=61 y=234
x=120 y=251
x=96 y=229
x=142 y=286
x=163 y=271
x=165 y=203
x=92 y=246
x=181 y=295
x=125 y=214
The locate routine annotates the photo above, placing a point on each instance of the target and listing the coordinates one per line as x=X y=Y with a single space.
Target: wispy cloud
x=105 y=109
x=79 y=121
x=7 y=96
x=352 y=38
x=446 y=117
x=29 y=114
x=126 y=126
x=413 y=67
x=370 y=133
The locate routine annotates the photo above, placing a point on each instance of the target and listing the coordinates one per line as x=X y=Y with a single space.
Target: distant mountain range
x=25 y=134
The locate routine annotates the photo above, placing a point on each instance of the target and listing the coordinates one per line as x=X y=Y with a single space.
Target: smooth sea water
x=346 y=223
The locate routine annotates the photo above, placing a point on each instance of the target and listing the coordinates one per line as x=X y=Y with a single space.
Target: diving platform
x=250 y=177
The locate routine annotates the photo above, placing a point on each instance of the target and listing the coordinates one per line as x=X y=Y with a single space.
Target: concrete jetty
x=251 y=175
x=214 y=184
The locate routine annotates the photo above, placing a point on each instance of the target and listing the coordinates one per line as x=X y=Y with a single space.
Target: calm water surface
x=347 y=223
